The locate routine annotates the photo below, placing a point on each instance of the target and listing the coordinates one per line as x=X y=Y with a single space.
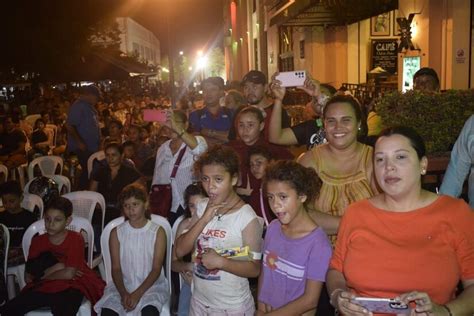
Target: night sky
x=194 y=24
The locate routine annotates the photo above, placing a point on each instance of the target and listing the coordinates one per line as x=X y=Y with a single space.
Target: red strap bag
x=161 y=195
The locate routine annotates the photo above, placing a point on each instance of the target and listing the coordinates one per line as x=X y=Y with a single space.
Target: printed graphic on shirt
x=317 y=138
x=209 y=238
x=279 y=265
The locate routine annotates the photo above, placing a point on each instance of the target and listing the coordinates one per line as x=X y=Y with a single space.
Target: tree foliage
x=216 y=62
x=43 y=35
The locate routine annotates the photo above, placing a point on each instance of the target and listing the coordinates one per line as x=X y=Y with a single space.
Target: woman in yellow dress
x=344 y=165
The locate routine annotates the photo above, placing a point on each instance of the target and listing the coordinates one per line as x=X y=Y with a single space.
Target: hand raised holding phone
x=154 y=115
x=277 y=90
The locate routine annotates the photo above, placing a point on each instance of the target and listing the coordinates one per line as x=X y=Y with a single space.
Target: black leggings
x=65 y=303
x=148 y=310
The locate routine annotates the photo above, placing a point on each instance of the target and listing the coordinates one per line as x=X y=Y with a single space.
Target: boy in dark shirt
x=15 y=218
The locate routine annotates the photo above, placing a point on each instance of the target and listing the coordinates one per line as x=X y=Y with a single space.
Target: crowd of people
x=258 y=230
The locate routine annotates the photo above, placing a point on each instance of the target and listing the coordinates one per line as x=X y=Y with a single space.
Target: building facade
x=138 y=41
x=346 y=41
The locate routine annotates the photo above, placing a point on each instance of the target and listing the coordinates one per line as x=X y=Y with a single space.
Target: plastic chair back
x=78 y=224
x=85 y=202
x=31 y=202
x=174 y=229
x=63 y=182
x=31 y=119
x=6 y=247
x=100 y=155
x=4 y=171
x=47 y=165
x=104 y=245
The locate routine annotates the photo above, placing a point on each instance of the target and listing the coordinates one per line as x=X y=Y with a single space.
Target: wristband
x=447 y=309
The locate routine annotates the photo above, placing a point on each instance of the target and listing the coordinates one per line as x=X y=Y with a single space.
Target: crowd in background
x=348 y=217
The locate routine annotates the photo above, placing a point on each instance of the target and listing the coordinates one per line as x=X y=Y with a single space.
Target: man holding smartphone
x=255 y=90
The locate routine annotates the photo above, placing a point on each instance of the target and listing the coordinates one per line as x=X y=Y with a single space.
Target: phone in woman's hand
x=382 y=305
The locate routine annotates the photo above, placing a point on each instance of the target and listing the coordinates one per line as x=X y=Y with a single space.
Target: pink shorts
x=199 y=309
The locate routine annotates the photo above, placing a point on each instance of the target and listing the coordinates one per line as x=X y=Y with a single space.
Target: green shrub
x=438 y=117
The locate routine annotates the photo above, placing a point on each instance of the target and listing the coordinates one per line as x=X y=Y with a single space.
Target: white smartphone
x=292 y=78
x=382 y=305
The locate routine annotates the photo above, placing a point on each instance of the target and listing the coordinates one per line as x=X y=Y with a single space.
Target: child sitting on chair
x=15 y=218
x=56 y=273
x=137 y=252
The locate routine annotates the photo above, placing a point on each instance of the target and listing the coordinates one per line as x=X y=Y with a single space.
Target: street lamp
x=201 y=63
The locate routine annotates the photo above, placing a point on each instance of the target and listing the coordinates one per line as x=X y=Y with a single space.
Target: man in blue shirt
x=213 y=121
x=461 y=164
x=83 y=133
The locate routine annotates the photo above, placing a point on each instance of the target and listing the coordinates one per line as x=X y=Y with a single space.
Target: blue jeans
x=184 y=299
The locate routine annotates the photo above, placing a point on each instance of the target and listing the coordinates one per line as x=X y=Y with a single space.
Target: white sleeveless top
x=136 y=259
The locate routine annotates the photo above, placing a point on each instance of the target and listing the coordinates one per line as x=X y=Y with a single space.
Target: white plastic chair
x=14 y=272
x=104 y=243
x=31 y=119
x=100 y=155
x=63 y=182
x=20 y=170
x=4 y=171
x=6 y=247
x=31 y=201
x=174 y=230
x=78 y=224
x=47 y=165
x=84 y=203
x=6 y=271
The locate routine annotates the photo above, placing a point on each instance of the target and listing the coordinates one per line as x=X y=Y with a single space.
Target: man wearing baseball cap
x=83 y=132
x=255 y=86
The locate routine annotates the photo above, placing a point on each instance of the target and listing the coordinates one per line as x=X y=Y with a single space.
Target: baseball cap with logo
x=254 y=76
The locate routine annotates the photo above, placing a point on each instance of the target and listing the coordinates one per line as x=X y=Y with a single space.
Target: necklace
x=219 y=216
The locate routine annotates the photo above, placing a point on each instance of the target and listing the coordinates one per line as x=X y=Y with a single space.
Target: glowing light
x=164 y=69
x=190 y=68
x=199 y=53
x=201 y=62
x=414 y=29
x=181 y=52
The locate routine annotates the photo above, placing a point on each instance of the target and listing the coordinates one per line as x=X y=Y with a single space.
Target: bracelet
x=447 y=309
x=181 y=134
x=332 y=294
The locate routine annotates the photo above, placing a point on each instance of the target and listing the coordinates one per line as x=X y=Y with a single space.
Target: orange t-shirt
x=385 y=254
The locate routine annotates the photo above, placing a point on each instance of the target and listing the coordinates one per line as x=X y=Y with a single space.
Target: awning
x=98 y=66
x=327 y=12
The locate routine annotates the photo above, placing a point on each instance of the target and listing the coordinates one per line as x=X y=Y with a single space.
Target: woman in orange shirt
x=405 y=243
